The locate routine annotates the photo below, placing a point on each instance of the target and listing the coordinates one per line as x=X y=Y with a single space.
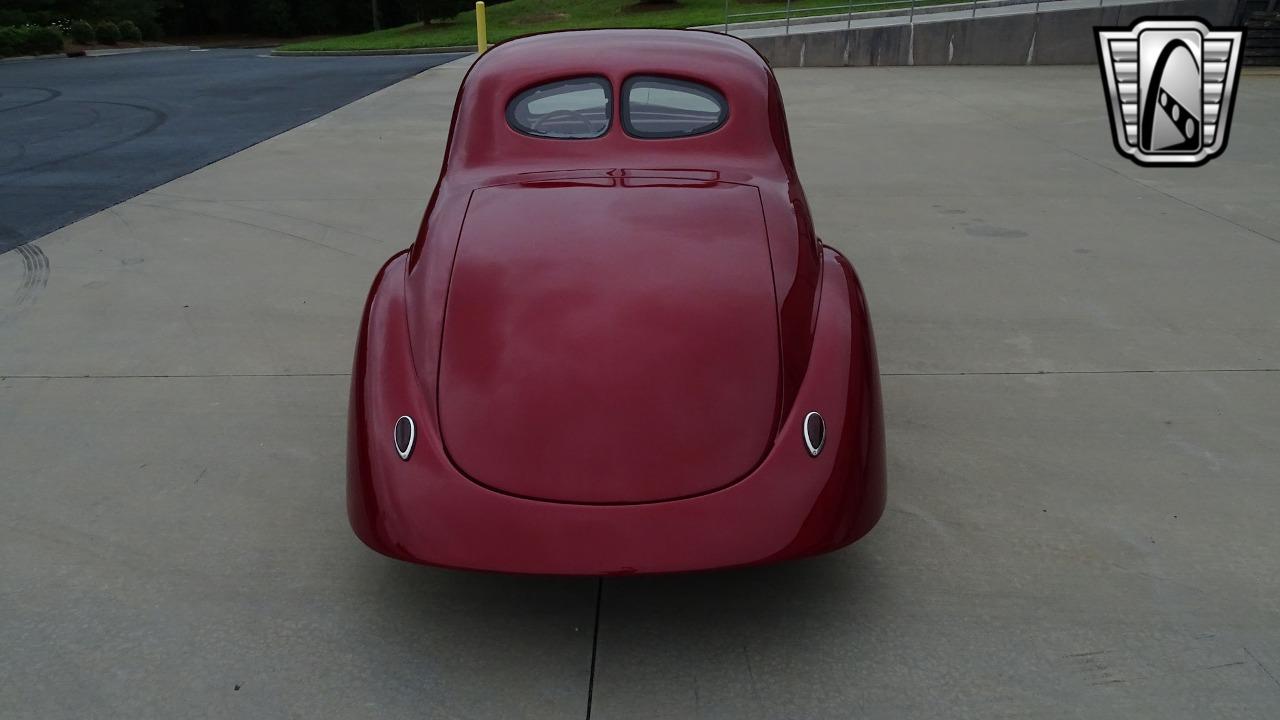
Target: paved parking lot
x=1081 y=369
x=80 y=135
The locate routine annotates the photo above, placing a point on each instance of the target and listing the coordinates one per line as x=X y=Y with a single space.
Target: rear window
x=573 y=109
x=658 y=107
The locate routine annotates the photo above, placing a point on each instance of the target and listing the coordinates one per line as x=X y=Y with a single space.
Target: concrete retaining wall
x=1061 y=37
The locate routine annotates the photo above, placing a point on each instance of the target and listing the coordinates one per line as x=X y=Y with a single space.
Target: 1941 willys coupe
x=617 y=345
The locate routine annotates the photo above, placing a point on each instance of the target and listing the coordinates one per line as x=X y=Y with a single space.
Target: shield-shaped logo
x=1170 y=88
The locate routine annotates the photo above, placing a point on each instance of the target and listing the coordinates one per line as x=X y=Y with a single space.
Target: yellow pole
x=482 y=41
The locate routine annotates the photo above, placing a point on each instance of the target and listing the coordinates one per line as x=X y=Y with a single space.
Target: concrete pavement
x=1080 y=384
x=1081 y=363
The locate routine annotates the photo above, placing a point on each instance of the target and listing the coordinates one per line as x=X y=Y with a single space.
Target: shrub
x=130 y=32
x=442 y=9
x=43 y=40
x=272 y=17
x=315 y=18
x=151 y=29
x=108 y=33
x=81 y=32
x=400 y=12
x=29 y=40
x=9 y=41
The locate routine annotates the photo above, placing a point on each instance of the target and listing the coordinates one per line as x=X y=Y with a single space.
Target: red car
x=617 y=344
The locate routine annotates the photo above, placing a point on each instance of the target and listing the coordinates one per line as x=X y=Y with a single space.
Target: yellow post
x=482 y=41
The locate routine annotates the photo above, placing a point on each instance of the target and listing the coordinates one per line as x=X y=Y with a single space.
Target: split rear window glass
x=573 y=109
x=658 y=107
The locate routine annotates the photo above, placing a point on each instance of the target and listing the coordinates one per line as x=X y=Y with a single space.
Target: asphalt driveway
x=80 y=135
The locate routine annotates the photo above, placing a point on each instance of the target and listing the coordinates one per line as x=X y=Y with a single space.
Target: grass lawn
x=522 y=17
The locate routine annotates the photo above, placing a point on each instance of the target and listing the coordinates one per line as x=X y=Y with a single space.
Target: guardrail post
x=482 y=36
x=726 y=17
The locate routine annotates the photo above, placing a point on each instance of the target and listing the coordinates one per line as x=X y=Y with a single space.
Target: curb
x=20 y=58
x=98 y=53
x=130 y=51
x=356 y=53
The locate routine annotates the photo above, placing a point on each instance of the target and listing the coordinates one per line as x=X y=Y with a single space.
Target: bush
x=442 y=9
x=150 y=29
x=269 y=17
x=81 y=32
x=9 y=41
x=272 y=17
x=29 y=40
x=43 y=40
x=108 y=32
x=316 y=18
x=402 y=12
x=130 y=32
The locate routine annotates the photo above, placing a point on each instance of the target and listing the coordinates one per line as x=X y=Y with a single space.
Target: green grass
x=522 y=17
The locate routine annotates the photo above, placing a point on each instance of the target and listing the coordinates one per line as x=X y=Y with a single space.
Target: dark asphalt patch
x=80 y=135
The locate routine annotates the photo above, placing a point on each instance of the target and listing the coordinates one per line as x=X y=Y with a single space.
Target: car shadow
x=407 y=589
x=763 y=588
x=785 y=603
x=781 y=602
x=730 y=631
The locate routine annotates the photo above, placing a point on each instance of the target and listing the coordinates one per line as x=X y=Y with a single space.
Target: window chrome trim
x=600 y=80
x=624 y=102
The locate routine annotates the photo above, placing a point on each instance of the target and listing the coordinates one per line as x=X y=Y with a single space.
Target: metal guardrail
x=1245 y=8
x=852 y=8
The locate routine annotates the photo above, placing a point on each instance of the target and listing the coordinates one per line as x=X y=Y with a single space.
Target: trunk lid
x=610 y=340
